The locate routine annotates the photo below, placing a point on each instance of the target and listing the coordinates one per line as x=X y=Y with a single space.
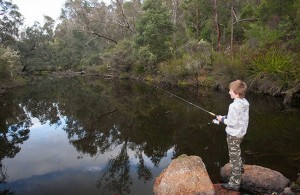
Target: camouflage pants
x=235 y=159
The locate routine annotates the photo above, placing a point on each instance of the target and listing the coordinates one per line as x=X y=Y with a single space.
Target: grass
x=272 y=71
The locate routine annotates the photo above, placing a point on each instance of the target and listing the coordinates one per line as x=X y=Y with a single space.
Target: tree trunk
x=175 y=9
x=217 y=26
x=197 y=19
x=231 y=29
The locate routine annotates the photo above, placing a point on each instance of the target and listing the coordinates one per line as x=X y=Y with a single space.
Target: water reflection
x=114 y=137
x=14 y=130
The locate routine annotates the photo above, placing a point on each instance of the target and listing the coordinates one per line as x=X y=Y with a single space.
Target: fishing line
x=171 y=94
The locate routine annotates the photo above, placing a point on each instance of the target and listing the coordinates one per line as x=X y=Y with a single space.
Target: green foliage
x=93 y=59
x=36 y=48
x=197 y=19
x=173 y=70
x=194 y=64
x=9 y=65
x=146 y=58
x=154 y=33
x=120 y=58
x=138 y=69
x=284 y=17
x=271 y=11
x=206 y=32
x=274 y=71
x=10 y=20
x=259 y=35
x=227 y=67
x=68 y=49
x=198 y=62
x=273 y=61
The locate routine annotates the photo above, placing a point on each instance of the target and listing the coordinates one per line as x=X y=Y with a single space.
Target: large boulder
x=258 y=179
x=184 y=175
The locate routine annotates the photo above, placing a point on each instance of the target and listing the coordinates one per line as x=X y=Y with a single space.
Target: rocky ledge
x=188 y=175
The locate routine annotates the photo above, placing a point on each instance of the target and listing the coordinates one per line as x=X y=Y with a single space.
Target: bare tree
x=124 y=22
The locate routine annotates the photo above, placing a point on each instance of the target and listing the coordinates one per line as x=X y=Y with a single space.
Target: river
x=95 y=136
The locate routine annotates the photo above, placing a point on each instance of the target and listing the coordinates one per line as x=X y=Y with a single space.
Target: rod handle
x=212 y=113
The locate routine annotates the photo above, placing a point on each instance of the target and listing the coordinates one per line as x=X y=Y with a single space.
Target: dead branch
x=127 y=25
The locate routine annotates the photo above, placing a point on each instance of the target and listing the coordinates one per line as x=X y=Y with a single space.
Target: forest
x=200 y=43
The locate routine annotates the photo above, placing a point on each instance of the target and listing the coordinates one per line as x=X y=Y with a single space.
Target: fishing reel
x=215 y=121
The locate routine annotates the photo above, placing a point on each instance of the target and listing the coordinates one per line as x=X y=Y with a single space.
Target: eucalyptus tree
x=154 y=33
x=241 y=12
x=197 y=15
x=10 y=21
x=110 y=23
x=178 y=20
x=36 y=46
x=90 y=27
x=214 y=20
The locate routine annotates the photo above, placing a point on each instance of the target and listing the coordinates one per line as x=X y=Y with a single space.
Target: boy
x=236 y=123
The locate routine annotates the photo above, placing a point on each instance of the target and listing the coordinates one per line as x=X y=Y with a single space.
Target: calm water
x=79 y=136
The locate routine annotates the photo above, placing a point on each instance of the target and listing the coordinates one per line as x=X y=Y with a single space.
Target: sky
x=34 y=10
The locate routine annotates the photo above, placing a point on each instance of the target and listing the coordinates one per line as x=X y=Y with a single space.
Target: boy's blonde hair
x=238 y=87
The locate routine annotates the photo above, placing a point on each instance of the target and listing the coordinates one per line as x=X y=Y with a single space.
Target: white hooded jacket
x=237 y=118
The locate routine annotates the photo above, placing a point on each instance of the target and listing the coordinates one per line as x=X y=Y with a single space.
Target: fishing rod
x=171 y=94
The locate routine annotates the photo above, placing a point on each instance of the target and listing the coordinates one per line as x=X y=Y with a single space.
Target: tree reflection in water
x=14 y=130
x=116 y=175
x=100 y=117
x=3 y=177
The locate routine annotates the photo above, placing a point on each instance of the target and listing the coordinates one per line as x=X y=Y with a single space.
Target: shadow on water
x=123 y=134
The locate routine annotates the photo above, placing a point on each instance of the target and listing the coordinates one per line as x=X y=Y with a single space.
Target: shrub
x=120 y=58
x=193 y=66
x=138 y=69
x=228 y=67
x=197 y=66
x=9 y=64
x=173 y=70
x=146 y=58
x=272 y=61
x=273 y=71
x=259 y=35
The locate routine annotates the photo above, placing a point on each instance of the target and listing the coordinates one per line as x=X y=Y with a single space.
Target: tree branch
x=234 y=14
x=105 y=37
x=90 y=40
x=127 y=25
x=246 y=20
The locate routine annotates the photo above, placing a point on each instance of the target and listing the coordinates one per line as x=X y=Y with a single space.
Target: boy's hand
x=219 y=117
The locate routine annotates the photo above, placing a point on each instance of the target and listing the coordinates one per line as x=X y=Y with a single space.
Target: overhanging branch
x=105 y=37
